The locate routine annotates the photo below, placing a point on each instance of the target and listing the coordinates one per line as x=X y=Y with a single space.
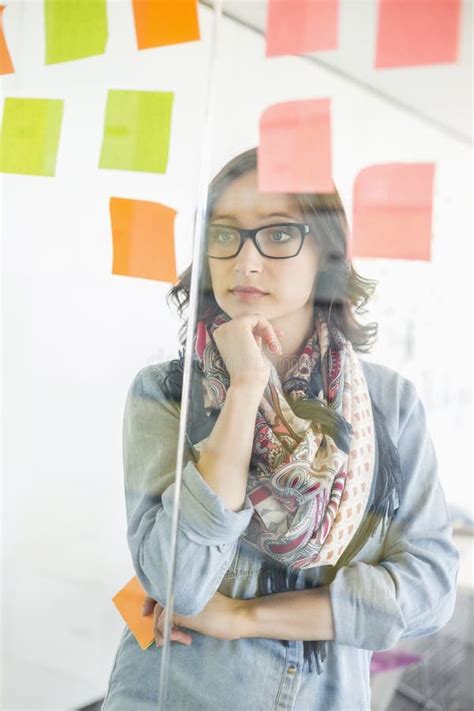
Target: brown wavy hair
x=340 y=291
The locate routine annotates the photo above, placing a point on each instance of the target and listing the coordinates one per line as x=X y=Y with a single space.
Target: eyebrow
x=222 y=216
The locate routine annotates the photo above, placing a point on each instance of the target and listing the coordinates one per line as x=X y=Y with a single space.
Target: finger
x=156 y=625
x=176 y=634
x=180 y=635
x=148 y=606
x=184 y=639
x=264 y=328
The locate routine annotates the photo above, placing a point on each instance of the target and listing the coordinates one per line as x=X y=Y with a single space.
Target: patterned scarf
x=320 y=388
x=314 y=447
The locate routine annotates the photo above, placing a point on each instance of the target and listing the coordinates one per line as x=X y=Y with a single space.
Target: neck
x=297 y=328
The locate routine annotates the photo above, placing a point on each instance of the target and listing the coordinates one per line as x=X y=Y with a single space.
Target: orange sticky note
x=129 y=602
x=301 y=26
x=392 y=211
x=417 y=32
x=162 y=22
x=6 y=65
x=294 y=154
x=143 y=239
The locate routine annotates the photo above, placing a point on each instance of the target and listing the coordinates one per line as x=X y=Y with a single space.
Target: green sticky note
x=74 y=29
x=137 y=130
x=30 y=135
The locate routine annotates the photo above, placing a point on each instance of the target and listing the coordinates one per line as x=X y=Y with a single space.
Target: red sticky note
x=392 y=211
x=143 y=239
x=294 y=154
x=301 y=26
x=6 y=65
x=417 y=32
x=162 y=22
x=129 y=602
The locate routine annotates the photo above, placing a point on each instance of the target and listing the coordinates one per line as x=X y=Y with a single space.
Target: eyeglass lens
x=281 y=241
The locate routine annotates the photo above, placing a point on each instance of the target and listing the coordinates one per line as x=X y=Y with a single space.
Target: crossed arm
x=293 y=615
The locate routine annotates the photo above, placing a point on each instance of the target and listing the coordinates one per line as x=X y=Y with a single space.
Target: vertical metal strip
x=203 y=182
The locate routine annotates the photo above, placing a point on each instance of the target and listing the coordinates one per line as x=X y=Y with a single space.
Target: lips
x=247 y=290
x=247 y=294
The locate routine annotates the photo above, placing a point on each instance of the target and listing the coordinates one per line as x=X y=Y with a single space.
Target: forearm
x=225 y=458
x=293 y=615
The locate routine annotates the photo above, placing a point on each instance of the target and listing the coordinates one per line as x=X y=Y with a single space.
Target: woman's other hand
x=177 y=635
x=223 y=618
x=239 y=342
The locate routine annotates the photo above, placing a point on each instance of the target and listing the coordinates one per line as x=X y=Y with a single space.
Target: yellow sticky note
x=30 y=135
x=137 y=130
x=74 y=29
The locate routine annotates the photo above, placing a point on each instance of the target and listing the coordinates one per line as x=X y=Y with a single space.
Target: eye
x=280 y=235
x=222 y=235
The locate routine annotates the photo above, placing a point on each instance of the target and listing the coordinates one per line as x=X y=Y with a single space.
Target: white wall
x=75 y=335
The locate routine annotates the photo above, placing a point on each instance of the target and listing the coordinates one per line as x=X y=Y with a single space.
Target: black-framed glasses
x=279 y=241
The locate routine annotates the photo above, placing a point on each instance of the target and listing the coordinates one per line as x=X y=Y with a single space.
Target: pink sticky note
x=392 y=211
x=294 y=154
x=392 y=659
x=301 y=26
x=417 y=32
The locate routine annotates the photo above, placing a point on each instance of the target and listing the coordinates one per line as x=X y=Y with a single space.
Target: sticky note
x=6 y=65
x=392 y=211
x=129 y=602
x=74 y=29
x=143 y=239
x=301 y=26
x=30 y=135
x=417 y=32
x=294 y=154
x=388 y=660
x=162 y=22
x=137 y=130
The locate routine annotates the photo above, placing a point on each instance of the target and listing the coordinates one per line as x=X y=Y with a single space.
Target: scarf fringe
x=273 y=578
x=330 y=421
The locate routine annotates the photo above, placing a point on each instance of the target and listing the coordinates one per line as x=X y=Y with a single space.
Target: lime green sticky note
x=30 y=135
x=137 y=130
x=74 y=29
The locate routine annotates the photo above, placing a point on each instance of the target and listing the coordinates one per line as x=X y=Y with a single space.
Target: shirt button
x=291 y=669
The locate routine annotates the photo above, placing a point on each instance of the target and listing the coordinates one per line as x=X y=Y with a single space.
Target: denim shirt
x=399 y=585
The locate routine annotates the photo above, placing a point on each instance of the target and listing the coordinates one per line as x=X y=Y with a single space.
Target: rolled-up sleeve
x=207 y=533
x=411 y=592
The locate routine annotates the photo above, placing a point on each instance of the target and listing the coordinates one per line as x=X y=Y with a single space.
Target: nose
x=248 y=259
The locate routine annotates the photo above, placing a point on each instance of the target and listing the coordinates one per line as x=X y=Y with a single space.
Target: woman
x=313 y=529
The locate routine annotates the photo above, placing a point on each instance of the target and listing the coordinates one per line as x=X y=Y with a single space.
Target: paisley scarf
x=312 y=467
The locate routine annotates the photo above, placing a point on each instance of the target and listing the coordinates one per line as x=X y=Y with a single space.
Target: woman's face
x=289 y=284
